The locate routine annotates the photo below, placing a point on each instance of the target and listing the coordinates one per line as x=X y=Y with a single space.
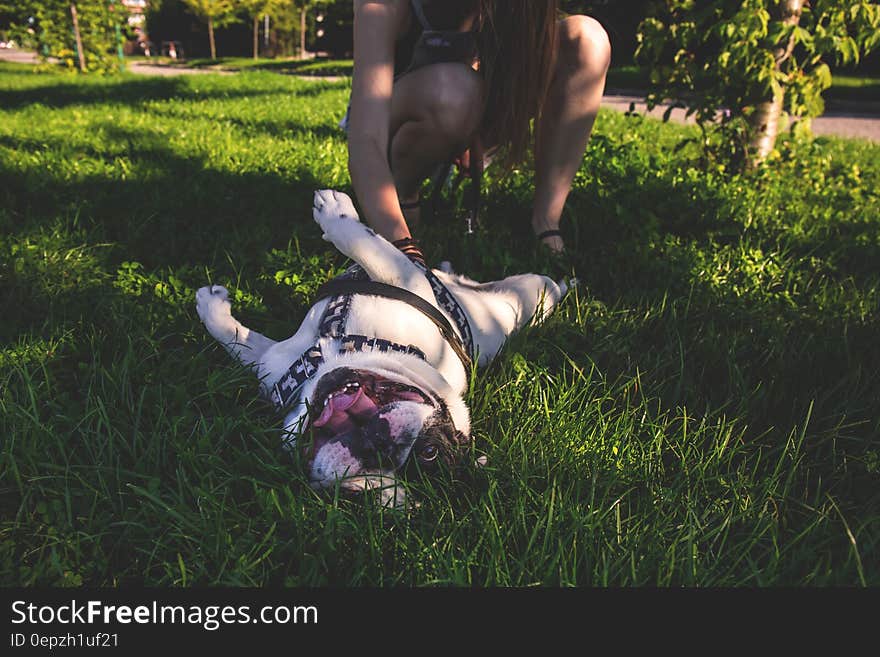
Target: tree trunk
x=256 y=38
x=79 y=44
x=211 y=37
x=764 y=127
x=764 y=122
x=302 y=33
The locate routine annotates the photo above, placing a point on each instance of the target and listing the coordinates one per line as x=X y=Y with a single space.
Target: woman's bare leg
x=573 y=102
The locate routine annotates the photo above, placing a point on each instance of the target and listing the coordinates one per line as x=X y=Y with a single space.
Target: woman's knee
x=584 y=44
x=454 y=100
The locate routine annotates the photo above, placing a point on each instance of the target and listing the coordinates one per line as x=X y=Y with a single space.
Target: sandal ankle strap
x=548 y=233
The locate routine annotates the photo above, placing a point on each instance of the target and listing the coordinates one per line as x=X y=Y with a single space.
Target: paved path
x=17 y=56
x=144 y=68
x=133 y=66
x=841 y=123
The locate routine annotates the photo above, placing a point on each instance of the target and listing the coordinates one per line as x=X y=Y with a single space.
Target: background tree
x=215 y=13
x=259 y=9
x=46 y=26
x=334 y=33
x=303 y=6
x=756 y=59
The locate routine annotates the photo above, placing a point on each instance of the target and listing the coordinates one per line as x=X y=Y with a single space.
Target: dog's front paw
x=330 y=205
x=338 y=219
x=214 y=309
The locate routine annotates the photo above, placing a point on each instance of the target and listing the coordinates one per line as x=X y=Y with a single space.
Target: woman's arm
x=376 y=26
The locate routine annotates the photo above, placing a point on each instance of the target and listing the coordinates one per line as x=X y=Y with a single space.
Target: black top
x=423 y=45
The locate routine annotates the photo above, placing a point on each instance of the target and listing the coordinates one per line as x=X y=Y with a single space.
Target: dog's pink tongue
x=340 y=407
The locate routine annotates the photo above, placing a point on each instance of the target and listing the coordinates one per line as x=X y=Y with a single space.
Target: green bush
x=752 y=60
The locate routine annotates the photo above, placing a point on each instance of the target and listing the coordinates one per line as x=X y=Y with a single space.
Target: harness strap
x=332 y=325
x=419 y=11
x=347 y=287
x=449 y=303
x=305 y=366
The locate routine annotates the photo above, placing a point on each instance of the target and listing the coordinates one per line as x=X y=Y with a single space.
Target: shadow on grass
x=270 y=126
x=637 y=246
x=649 y=316
x=642 y=245
x=134 y=91
x=181 y=215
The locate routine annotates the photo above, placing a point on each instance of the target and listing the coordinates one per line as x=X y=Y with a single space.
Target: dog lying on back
x=377 y=371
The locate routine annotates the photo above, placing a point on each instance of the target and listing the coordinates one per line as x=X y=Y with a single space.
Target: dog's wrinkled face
x=367 y=430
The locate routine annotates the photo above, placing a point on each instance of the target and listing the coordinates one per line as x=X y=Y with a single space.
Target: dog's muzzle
x=367 y=429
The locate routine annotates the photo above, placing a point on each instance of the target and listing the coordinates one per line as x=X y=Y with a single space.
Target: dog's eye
x=428 y=452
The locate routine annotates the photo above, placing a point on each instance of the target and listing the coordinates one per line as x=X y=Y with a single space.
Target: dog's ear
x=461 y=438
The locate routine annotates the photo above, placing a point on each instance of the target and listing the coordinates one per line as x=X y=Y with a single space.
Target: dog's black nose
x=389 y=451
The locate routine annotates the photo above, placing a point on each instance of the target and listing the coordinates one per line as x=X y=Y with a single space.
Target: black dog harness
x=355 y=281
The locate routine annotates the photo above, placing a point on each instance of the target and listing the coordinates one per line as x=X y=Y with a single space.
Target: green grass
x=627 y=77
x=703 y=412
x=855 y=88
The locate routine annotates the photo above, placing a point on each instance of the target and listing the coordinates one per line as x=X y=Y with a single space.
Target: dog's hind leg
x=335 y=213
x=536 y=295
x=214 y=309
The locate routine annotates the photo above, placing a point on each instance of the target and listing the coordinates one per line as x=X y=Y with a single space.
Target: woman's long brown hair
x=517 y=42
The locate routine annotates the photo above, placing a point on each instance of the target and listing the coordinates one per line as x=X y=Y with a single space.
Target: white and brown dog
x=376 y=373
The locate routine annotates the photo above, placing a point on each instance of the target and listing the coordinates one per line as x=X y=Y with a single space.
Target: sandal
x=540 y=237
x=556 y=263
